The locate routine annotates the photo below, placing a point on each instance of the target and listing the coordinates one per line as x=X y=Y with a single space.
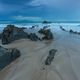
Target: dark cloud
x=15 y=1
x=50 y=9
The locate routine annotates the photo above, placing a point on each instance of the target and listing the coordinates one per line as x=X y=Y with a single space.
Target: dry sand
x=30 y=66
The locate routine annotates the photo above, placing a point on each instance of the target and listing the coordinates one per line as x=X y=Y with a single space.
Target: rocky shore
x=57 y=58
x=12 y=33
x=7 y=56
x=70 y=31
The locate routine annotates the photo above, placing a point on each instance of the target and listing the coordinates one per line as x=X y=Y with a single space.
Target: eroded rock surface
x=47 y=34
x=7 y=56
x=50 y=57
x=0 y=35
x=33 y=37
x=11 y=33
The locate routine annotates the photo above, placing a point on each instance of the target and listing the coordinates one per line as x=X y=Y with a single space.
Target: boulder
x=45 y=27
x=33 y=37
x=7 y=56
x=32 y=27
x=71 y=31
x=75 y=32
x=41 y=31
x=50 y=57
x=47 y=34
x=11 y=33
x=62 y=28
x=79 y=33
x=0 y=35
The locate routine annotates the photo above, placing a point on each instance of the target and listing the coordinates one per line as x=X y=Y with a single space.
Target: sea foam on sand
x=65 y=66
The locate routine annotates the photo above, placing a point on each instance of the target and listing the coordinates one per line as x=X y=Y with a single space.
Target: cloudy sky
x=37 y=10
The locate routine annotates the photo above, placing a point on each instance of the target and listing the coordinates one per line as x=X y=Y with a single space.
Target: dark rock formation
x=71 y=31
x=7 y=56
x=62 y=28
x=47 y=34
x=79 y=33
x=33 y=37
x=45 y=27
x=11 y=33
x=33 y=27
x=45 y=22
x=74 y=32
x=0 y=35
x=50 y=57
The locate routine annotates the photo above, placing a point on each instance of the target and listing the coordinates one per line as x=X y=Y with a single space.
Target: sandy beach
x=30 y=66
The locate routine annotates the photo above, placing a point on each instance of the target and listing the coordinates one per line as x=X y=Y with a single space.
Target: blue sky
x=37 y=10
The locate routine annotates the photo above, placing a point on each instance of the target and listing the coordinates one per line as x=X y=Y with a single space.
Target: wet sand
x=30 y=66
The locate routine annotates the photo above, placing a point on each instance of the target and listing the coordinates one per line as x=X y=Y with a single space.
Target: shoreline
x=65 y=65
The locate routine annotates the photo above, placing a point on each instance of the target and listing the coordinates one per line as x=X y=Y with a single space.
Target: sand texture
x=30 y=66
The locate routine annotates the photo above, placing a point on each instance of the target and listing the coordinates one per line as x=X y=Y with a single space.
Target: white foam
x=68 y=26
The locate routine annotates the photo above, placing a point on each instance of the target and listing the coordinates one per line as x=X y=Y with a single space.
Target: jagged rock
x=7 y=56
x=0 y=35
x=71 y=31
x=35 y=26
x=41 y=31
x=50 y=57
x=33 y=37
x=62 y=28
x=79 y=33
x=11 y=33
x=48 y=34
x=45 y=27
x=74 y=32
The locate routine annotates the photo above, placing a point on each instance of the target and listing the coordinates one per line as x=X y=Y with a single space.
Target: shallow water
x=75 y=26
x=29 y=66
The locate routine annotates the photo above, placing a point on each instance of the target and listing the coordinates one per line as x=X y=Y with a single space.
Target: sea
x=68 y=26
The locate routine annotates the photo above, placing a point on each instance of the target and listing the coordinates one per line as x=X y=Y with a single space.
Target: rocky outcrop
x=33 y=37
x=70 y=31
x=50 y=57
x=45 y=27
x=47 y=34
x=74 y=32
x=11 y=33
x=62 y=28
x=46 y=22
x=34 y=26
x=0 y=35
x=7 y=56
